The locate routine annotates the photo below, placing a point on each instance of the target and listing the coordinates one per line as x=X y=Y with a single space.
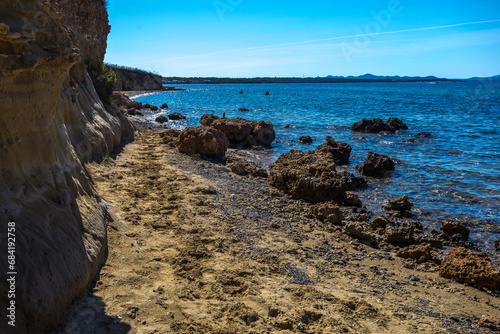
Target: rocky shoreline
x=197 y=248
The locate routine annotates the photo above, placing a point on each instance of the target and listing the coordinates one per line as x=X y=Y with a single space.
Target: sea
x=452 y=175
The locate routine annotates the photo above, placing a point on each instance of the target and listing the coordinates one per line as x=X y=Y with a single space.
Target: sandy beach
x=195 y=248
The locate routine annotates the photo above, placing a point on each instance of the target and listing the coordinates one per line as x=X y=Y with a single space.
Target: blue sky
x=250 y=38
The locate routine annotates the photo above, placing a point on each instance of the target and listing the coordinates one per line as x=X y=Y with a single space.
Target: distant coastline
x=180 y=81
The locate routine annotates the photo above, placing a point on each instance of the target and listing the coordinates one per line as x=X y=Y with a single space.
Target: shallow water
x=454 y=174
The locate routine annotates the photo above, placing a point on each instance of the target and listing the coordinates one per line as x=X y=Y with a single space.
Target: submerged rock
x=376 y=165
x=341 y=152
x=378 y=125
x=465 y=266
x=243 y=109
x=204 y=141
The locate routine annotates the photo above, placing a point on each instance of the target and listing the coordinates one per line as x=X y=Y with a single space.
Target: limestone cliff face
x=129 y=80
x=51 y=122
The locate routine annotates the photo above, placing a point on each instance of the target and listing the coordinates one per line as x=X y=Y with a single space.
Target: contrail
x=322 y=40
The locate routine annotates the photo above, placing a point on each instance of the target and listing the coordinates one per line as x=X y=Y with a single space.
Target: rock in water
x=378 y=125
x=161 y=119
x=164 y=106
x=341 y=152
x=399 y=207
x=455 y=230
x=376 y=165
x=306 y=140
x=204 y=141
x=175 y=116
x=240 y=131
x=311 y=176
x=464 y=266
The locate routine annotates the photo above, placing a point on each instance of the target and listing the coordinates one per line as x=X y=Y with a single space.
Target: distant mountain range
x=493 y=78
x=369 y=76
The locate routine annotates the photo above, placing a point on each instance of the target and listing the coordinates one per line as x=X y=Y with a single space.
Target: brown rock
x=340 y=152
x=359 y=230
x=204 y=141
x=400 y=234
x=327 y=212
x=380 y=222
x=240 y=131
x=244 y=168
x=377 y=125
x=306 y=140
x=161 y=119
x=399 y=207
x=351 y=199
x=376 y=165
x=208 y=119
x=493 y=324
x=419 y=253
x=175 y=116
x=243 y=109
x=451 y=228
x=308 y=175
x=170 y=136
x=263 y=132
x=164 y=106
x=465 y=266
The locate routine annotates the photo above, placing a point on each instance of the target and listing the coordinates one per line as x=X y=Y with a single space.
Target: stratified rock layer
x=52 y=121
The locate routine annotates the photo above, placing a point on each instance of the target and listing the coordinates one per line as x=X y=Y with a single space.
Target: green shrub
x=103 y=78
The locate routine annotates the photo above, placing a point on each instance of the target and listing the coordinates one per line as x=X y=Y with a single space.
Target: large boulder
x=311 y=176
x=376 y=165
x=340 y=152
x=204 y=141
x=378 y=125
x=240 y=131
x=465 y=266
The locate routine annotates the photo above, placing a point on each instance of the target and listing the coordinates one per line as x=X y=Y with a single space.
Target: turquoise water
x=454 y=174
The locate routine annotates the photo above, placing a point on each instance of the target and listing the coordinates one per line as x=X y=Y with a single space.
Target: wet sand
x=195 y=248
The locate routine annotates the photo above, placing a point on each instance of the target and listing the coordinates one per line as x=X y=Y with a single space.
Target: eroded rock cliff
x=51 y=122
x=131 y=79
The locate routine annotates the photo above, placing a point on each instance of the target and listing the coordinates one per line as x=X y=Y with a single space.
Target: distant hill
x=369 y=76
x=493 y=78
